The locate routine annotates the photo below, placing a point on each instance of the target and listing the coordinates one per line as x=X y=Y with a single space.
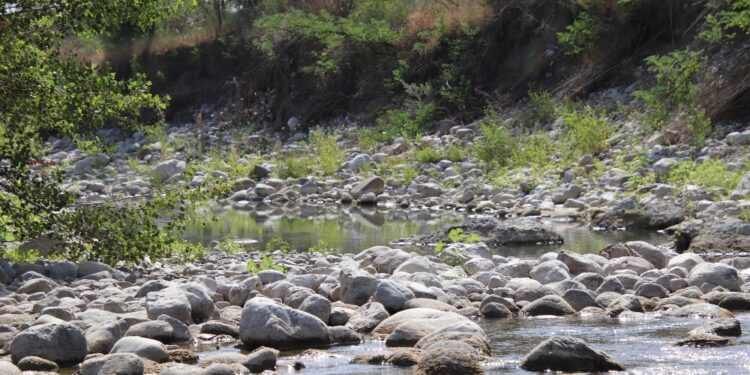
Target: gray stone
x=120 y=364
x=62 y=343
x=267 y=323
x=568 y=354
x=142 y=347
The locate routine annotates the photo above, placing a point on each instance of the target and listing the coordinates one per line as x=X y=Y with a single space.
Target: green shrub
x=427 y=155
x=533 y=151
x=674 y=87
x=541 y=109
x=727 y=23
x=327 y=151
x=455 y=153
x=586 y=132
x=294 y=166
x=266 y=263
x=580 y=36
x=278 y=243
x=710 y=173
x=457 y=235
x=496 y=147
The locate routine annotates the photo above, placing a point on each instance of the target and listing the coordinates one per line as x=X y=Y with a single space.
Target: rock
x=700 y=310
x=568 y=354
x=62 y=343
x=153 y=329
x=317 y=306
x=577 y=264
x=356 y=287
x=261 y=359
x=367 y=317
x=656 y=215
x=449 y=357
x=7 y=368
x=142 y=347
x=120 y=364
x=32 y=363
x=392 y=295
x=267 y=323
x=706 y=340
x=548 y=305
x=263 y=190
x=686 y=261
x=718 y=274
x=721 y=327
x=550 y=272
x=637 y=264
x=168 y=168
x=580 y=299
x=465 y=331
x=373 y=184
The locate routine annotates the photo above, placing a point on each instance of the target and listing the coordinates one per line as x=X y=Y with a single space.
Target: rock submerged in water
x=569 y=354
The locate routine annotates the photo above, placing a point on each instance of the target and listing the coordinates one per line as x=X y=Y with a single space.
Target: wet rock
x=267 y=323
x=706 y=340
x=569 y=354
x=449 y=357
x=721 y=327
x=142 y=347
x=367 y=317
x=261 y=359
x=62 y=343
x=718 y=274
x=548 y=305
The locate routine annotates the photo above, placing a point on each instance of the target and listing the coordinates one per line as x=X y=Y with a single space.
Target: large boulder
x=717 y=274
x=62 y=343
x=568 y=354
x=267 y=323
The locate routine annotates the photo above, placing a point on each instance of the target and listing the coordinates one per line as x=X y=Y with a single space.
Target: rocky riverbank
x=100 y=320
x=633 y=186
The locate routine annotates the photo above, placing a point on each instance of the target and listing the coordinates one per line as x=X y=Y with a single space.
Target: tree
x=43 y=92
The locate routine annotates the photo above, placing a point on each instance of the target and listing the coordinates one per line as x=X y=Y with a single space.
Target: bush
x=581 y=35
x=496 y=147
x=277 y=243
x=294 y=166
x=726 y=23
x=710 y=173
x=674 y=87
x=541 y=109
x=586 y=132
x=427 y=155
x=328 y=153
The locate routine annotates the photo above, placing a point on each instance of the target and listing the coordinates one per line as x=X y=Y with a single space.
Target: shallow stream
x=644 y=346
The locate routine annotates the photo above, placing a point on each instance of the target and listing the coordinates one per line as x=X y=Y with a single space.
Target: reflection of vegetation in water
x=350 y=233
